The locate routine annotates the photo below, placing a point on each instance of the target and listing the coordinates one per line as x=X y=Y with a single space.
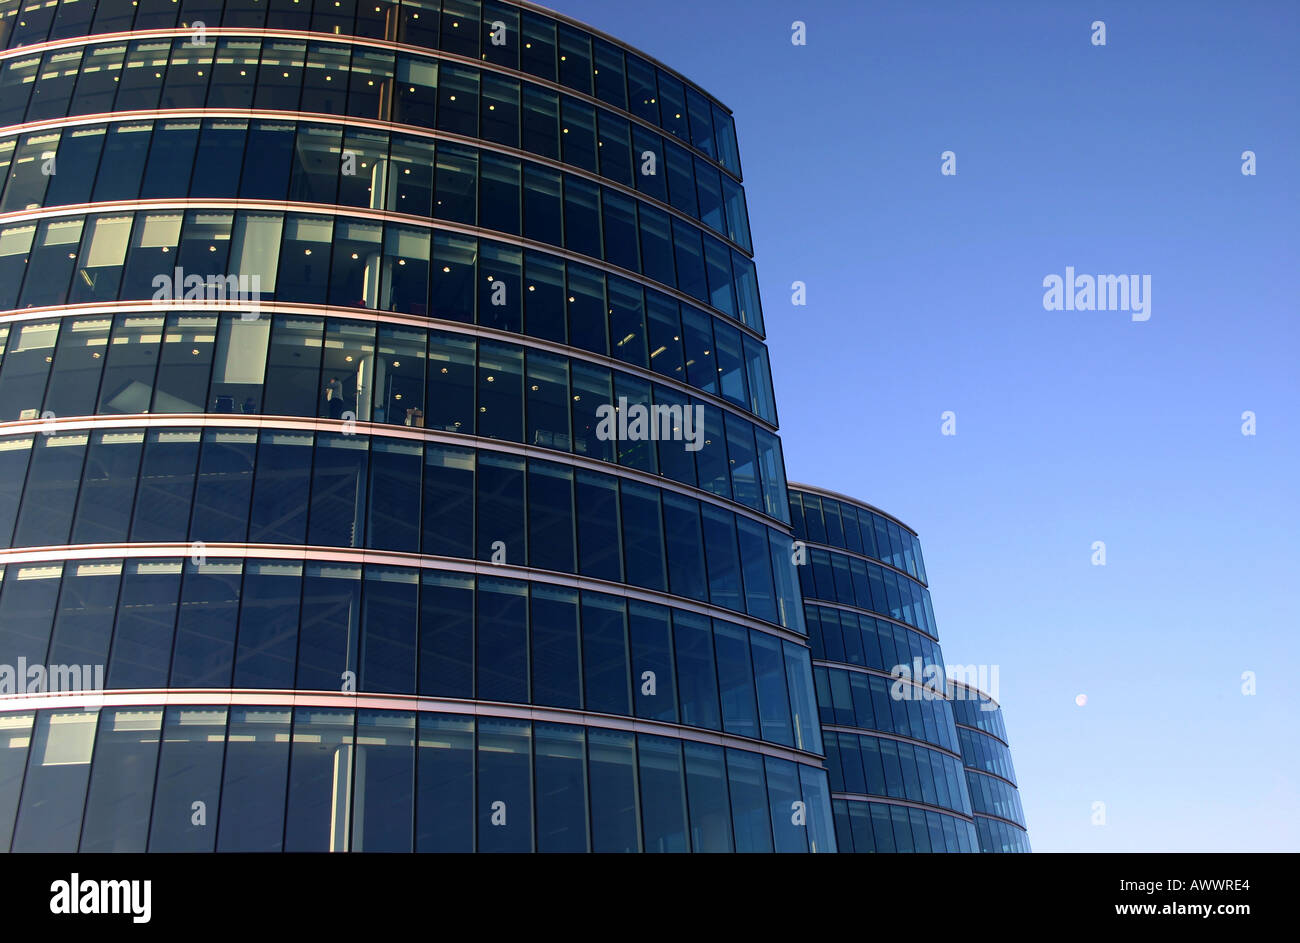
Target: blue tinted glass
x=384 y=782
x=556 y=663
x=189 y=771
x=710 y=810
x=606 y=670
x=663 y=796
x=735 y=679
x=444 y=814
x=655 y=691
x=389 y=627
x=697 y=682
x=502 y=641
x=256 y=775
x=612 y=770
x=505 y=820
x=560 y=769
x=750 y=816
x=785 y=798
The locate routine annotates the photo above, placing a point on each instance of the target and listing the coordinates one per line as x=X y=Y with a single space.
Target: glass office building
x=990 y=777
x=895 y=735
x=316 y=319
x=388 y=453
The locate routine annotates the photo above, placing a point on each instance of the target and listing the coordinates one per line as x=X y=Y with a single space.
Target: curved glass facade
x=990 y=778
x=389 y=461
x=388 y=456
x=894 y=742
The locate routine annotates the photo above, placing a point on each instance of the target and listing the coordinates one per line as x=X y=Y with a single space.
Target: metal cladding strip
x=886 y=800
x=883 y=735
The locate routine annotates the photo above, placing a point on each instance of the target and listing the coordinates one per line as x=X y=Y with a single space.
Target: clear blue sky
x=925 y=295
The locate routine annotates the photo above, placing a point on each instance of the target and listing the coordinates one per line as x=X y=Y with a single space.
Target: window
x=455 y=194
x=550 y=509
x=78 y=361
x=615 y=147
x=445 y=777
x=452 y=295
x=505 y=820
x=225 y=485
x=500 y=391
x=621 y=241
x=405 y=276
x=654 y=688
x=389 y=625
x=58 y=770
x=560 y=772
x=446 y=634
x=696 y=681
x=643 y=548
x=598 y=526
x=25 y=368
x=107 y=487
x=706 y=782
x=448 y=501
x=663 y=795
x=735 y=679
x=189 y=771
x=578 y=133
x=458 y=100
x=400 y=376
x=500 y=286
x=185 y=364
x=323 y=756
x=279 y=504
x=605 y=654
x=540 y=125
x=686 y=568
x=612 y=771
x=750 y=818
x=501 y=508
x=51 y=263
x=304 y=259
x=268 y=625
x=325 y=79
x=544 y=297
x=548 y=401
x=256 y=776
x=627 y=320
x=611 y=83
x=417 y=91
x=499 y=206
x=45 y=516
x=356 y=257
x=556 y=648
x=543 y=210
x=582 y=216
x=132 y=362
x=164 y=499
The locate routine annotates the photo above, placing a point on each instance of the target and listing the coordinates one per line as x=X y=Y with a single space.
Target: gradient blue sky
x=925 y=295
